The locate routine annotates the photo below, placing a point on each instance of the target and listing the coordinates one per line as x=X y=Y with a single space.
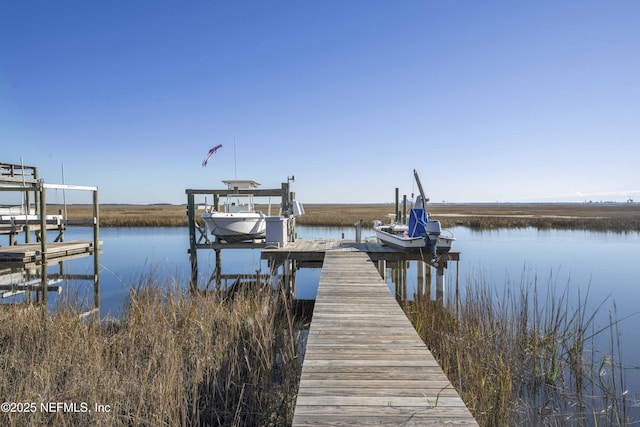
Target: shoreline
x=618 y=217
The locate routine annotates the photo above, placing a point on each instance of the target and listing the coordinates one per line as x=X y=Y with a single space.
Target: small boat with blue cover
x=422 y=234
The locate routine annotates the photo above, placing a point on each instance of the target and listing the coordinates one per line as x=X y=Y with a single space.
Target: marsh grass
x=173 y=359
x=585 y=216
x=520 y=358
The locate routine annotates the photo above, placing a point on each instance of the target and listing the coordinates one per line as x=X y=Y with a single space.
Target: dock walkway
x=33 y=251
x=364 y=362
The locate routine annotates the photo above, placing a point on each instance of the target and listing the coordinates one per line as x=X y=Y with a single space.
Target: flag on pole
x=211 y=152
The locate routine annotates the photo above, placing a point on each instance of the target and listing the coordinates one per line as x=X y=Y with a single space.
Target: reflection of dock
x=364 y=361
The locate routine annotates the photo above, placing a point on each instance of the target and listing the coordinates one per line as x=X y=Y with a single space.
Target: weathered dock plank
x=364 y=362
x=33 y=251
x=313 y=250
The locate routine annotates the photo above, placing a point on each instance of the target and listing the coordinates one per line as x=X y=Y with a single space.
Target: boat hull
x=444 y=243
x=414 y=244
x=411 y=244
x=236 y=227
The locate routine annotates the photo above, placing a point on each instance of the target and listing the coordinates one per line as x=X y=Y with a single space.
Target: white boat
x=421 y=234
x=445 y=241
x=397 y=235
x=238 y=221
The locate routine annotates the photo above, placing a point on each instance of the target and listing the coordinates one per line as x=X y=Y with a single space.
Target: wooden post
x=287 y=277
x=397 y=212
x=27 y=229
x=193 y=251
x=405 y=266
x=217 y=271
x=273 y=272
x=36 y=202
x=427 y=280
x=285 y=202
x=440 y=284
x=404 y=209
x=61 y=227
x=96 y=252
x=457 y=288
x=294 y=266
x=43 y=240
x=35 y=193
x=292 y=221
x=420 y=278
x=382 y=268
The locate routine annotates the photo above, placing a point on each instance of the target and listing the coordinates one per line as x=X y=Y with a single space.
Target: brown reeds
x=174 y=359
x=585 y=216
x=518 y=358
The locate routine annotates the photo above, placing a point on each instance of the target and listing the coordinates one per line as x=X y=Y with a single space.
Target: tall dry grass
x=611 y=217
x=518 y=358
x=174 y=359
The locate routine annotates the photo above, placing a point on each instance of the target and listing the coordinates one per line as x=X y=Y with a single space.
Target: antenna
x=24 y=194
x=64 y=194
x=235 y=161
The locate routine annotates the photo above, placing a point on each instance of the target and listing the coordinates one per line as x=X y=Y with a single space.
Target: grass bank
x=586 y=216
x=174 y=359
x=526 y=356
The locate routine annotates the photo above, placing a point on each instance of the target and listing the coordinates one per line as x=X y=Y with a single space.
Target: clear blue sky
x=489 y=101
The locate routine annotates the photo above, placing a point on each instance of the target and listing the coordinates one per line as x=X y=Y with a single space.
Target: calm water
x=606 y=264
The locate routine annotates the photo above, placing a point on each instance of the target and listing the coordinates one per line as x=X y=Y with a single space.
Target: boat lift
x=198 y=238
x=19 y=262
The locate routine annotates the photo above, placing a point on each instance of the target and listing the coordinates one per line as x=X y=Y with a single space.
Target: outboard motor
x=433 y=232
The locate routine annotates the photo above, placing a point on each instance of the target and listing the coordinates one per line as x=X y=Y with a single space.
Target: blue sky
x=489 y=101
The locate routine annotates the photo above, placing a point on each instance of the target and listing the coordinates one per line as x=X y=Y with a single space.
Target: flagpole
x=235 y=161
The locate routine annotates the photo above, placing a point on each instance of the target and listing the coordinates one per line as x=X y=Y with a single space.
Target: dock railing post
x=43 y=240
x=96 y=252
x=27 y=229
x=287 y=267
x=285 y=202
x=193 y=251
x=358 y=225
x=292 y=221
x=397 y=212
x=382 y=268
x=427 y=280
x=217 y=270
x=404 y=209
x=420 y=279
x=440 y=284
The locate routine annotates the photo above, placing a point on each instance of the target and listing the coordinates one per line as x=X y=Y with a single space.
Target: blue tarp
x=417 y=222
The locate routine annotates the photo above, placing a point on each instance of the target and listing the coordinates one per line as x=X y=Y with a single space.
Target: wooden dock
x=313 y=250
x=364 y=363
x=30 y=252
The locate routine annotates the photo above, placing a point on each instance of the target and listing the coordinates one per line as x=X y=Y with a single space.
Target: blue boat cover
x=417 y=222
